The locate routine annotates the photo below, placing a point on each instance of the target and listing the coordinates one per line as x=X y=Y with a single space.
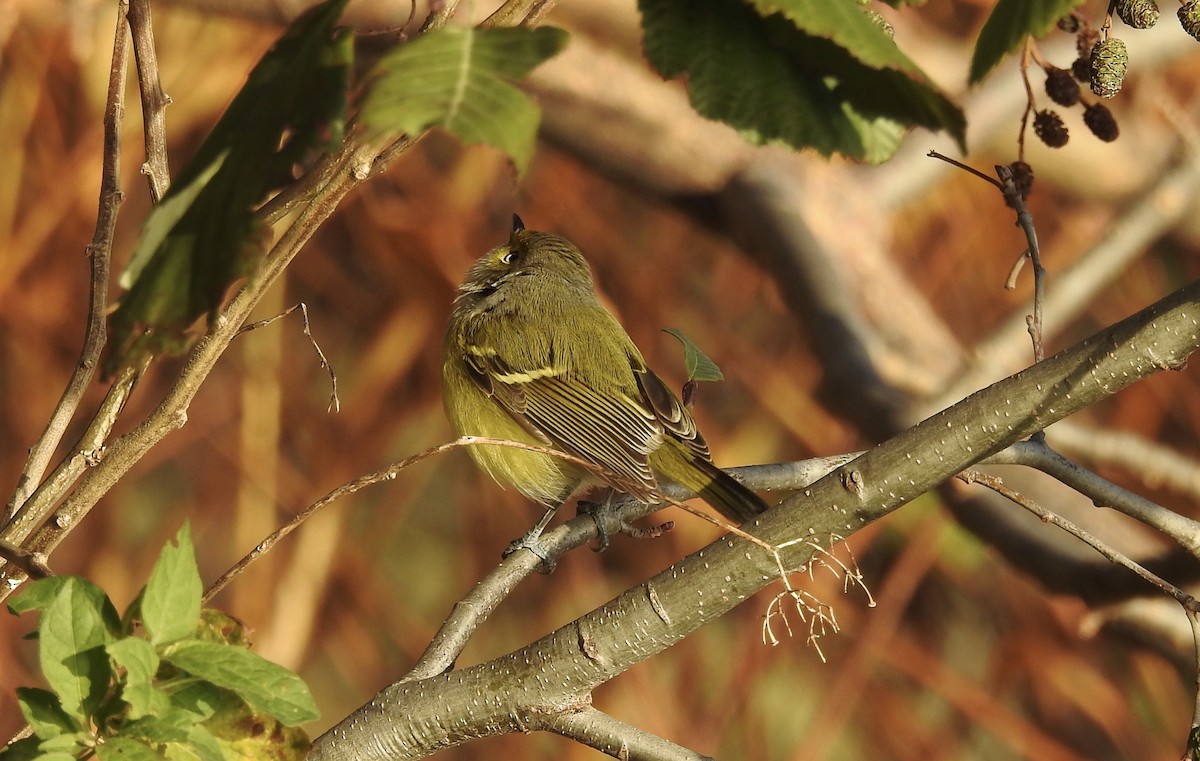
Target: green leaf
x=204 y=236
x=262 y=684
x=198 y=700
x=699 y=366
x=460 y=79
x=205 y=745
x=72 y=634
x=140 y=662
x=64 y=746
x=1007 y=27
x=126 y=749
x=44 y=713
x=809 y=73
x=38 y=595
x=171 y=601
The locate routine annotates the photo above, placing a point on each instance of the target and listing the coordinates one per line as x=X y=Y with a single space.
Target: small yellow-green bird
x=532 y=356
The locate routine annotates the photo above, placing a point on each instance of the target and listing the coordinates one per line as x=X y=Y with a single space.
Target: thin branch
x=997 y=485
x=89 y=451
x=965 y=168
x=99 y=255
x=1104 y=493
x=1014 y=199
x=607 y=734
x=1192 y=753
x=518 y=13
x=1157 y=465
x=1158 y=210
x=335 y=404
x=154 y=100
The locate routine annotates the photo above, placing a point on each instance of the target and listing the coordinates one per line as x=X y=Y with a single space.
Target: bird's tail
x=713 y=485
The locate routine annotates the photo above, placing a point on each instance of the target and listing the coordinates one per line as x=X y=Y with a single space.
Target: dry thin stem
x=519 y=13
x=99 y=255
x=390 y=472
x=997 y=485
x=154 y=100
x=1014 y=200
x=1012 y=197
x=1192 y=753
x=335 y=404
x=1026 y=54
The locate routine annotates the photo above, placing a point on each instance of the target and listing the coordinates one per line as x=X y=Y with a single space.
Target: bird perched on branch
x=532 y=356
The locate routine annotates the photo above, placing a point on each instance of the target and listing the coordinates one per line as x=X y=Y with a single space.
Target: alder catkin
x=1110 y=61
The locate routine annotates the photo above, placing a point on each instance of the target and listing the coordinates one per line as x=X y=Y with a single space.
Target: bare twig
x=1014 y=199
x=335 y=404
x=34 y=565
x=965 y=168
x=1157 y=210
x=1156 y=465
x=519 y=13
x=1104 y=493
x=89 y=451
x=609 y=735
x=1192 y=752
x=154 y=100
x=99 y=254
x=997 y=485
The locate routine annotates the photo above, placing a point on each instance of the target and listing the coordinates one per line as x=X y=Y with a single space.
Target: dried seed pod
x=1049 y=128
x=1085 y=41
x=1139 y=14
x=1189 y=18
x=1110 y=61
x=1082 y=69
x=1061 y=86
x=1022 y=177
x=1101 y=122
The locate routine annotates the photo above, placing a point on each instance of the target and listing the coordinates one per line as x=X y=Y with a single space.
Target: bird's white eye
x=508 y=256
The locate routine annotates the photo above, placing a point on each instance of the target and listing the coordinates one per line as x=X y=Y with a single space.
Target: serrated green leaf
x=72 y=634
x=140 y=663
x=460 y=79
x=809 y=74
x=843 y=23
x=39 y=594
x=126 y=749
x=699 y=367
x=171 y=600
x=204 y=236
x=44 y=713
x=262 y=684
x=1010 y=22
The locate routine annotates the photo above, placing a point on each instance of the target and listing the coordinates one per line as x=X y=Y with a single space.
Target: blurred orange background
x=963 y=657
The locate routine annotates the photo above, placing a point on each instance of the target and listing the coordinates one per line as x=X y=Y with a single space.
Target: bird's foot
x=532 y=541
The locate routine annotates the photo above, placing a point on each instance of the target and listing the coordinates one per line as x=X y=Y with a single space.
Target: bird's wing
x=606 y=420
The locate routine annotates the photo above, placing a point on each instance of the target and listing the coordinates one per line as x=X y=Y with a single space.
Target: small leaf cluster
x=166 y=680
